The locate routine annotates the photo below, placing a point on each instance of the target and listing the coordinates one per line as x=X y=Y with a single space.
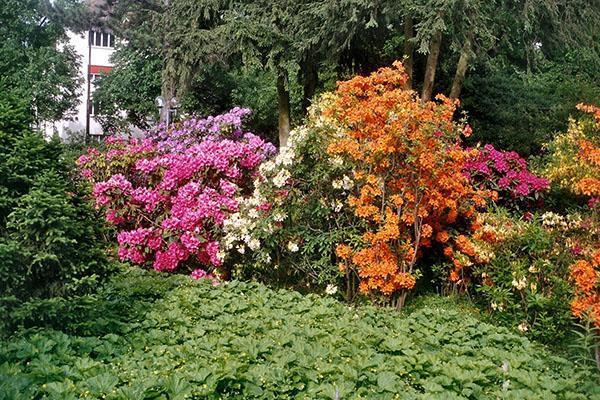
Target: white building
x=94 y=49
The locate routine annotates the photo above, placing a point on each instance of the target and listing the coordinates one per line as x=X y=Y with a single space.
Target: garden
x=320 y=217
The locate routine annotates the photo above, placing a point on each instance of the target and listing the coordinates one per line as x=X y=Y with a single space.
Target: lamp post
x=172 y=104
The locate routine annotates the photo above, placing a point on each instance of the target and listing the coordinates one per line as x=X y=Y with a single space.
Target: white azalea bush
x=286 y=232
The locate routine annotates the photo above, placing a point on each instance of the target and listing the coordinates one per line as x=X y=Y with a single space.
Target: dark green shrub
x=54 y=241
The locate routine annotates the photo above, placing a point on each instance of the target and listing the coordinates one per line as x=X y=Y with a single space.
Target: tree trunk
x=408 y=50
x=167 y=94
x=461 y=69
x=431 y=66
x=283 y=99
x=311 y=79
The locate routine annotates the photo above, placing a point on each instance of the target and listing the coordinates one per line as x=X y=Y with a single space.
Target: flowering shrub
x=506 y=173
x=411 y=192
x=287 y=230
x=169 y=195
x=526 y=282
x=573 y=162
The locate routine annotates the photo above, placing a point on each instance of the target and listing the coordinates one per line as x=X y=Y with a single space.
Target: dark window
x=101 y=39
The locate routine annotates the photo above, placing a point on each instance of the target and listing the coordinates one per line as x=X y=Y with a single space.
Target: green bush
x=53 y=242
x=239 y=340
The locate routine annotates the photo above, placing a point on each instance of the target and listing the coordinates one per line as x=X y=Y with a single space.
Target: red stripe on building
x=97 y=69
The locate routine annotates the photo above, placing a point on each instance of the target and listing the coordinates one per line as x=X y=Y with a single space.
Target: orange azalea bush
x=408 y=164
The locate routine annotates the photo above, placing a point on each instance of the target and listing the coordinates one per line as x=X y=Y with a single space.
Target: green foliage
x=14 y=116
x=23 y=157
x=146 y=336
x=131 y=87
x=521 y=112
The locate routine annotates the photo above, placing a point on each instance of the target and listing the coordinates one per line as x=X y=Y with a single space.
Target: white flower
x=331 y=289
x=221 y=255
x=523 y=327
x=337 y=206
x=533 y=269
x=266 y=166
x=337 y=161
x=519 y=284
x=293 y=247
x=241 y=249
x=285 y=157
x=253 y=213
x=337 y=184
x=254 y=244
x=347 y=183
x=494 y=306
x=281 y=178
x=279 y=216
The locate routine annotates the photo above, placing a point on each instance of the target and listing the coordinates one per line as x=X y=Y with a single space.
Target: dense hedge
x=156 y=337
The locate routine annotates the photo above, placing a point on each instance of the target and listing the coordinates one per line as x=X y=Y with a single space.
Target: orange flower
x=442 y=236
x=343 y=251
x=582 y=272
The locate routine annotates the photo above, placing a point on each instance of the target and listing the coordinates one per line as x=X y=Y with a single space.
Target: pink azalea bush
x=168 y=195
x=506 y=172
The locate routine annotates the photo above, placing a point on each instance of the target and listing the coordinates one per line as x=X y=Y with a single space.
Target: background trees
x=38 y=69
x=286 y=52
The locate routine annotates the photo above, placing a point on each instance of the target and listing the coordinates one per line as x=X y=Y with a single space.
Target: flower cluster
x=265 y=203
x=168 y=205
x=585 y=273
x=410 y=188
x=574 y=157
x=188 y=132
x=506 y=173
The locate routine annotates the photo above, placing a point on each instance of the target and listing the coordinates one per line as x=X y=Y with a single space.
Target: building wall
x=100 y=57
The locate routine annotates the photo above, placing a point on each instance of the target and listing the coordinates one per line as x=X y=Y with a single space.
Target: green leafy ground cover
x=154 y=337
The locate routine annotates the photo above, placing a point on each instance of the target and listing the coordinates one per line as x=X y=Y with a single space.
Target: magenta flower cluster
x=507 y=173
x=168 y=205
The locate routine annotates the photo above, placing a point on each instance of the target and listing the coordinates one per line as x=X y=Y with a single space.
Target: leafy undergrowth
x=154 y=337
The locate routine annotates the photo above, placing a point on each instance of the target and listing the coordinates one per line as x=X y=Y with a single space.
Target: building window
x=102 y=39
